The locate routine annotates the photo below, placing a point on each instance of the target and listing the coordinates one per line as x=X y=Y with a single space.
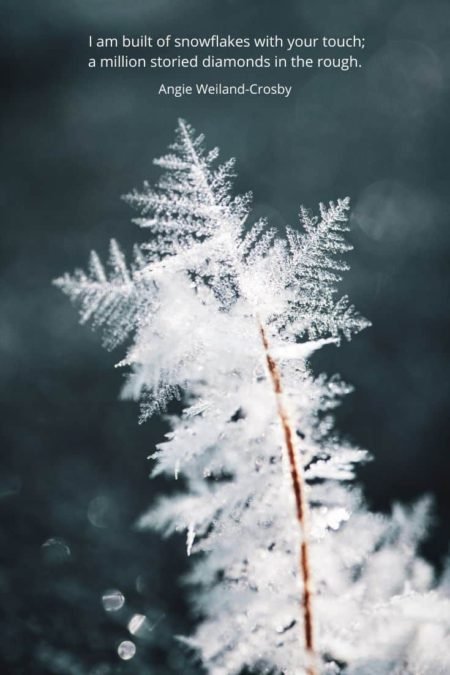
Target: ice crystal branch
x=117 y=298
x=193 y=306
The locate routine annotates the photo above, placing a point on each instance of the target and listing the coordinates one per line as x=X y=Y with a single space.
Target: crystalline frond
x=116 y=296
x=192 y=201
x=313 y=271
x=292 y=282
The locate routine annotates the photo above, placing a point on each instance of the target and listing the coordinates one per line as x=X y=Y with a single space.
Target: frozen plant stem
x=301 y=504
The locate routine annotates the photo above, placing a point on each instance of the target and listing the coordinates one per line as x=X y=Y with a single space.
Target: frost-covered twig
x=189 y=305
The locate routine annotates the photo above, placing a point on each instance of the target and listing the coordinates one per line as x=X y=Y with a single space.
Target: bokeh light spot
x=113 y=600
x=126 y=650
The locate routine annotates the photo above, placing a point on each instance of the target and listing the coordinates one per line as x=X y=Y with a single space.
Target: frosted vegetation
x=191 y=307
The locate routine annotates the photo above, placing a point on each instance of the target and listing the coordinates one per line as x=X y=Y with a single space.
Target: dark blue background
x=73 y=140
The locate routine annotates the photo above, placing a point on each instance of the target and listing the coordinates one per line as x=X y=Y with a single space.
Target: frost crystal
x=192 y=304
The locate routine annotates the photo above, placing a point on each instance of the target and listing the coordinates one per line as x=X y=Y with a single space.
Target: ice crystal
x=192 y=305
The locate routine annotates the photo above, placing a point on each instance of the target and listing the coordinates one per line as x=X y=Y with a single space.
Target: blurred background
x=82 y=591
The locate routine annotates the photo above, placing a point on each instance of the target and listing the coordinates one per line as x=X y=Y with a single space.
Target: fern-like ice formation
x=194 y=306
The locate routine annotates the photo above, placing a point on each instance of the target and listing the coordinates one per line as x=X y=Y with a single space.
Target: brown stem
x=301 y=504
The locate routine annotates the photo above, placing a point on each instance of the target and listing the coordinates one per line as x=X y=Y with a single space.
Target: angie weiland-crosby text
x=220 y=89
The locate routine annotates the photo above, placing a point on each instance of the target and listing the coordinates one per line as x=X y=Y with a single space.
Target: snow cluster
x=191 y=306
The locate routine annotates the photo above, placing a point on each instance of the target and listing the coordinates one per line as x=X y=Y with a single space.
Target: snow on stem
x=301 y=504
